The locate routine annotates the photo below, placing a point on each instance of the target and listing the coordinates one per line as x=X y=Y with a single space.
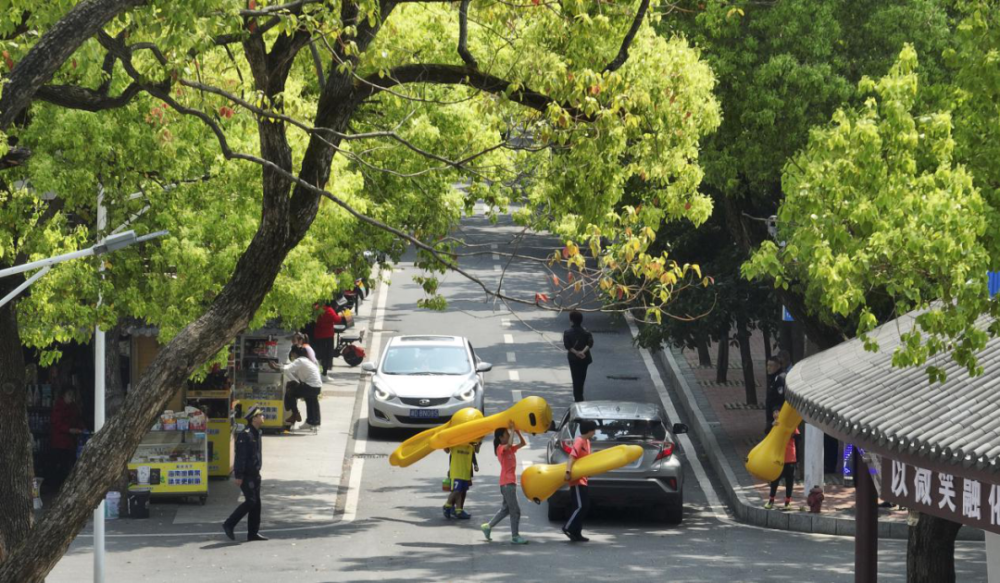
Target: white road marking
x=361 y=439
x=496 y=257
x=714 y=503
x=497 y=268
x=511 y=357
x=493 y=246
x=508 y=338
x=516 y=394
x=514 y=375
x=505 y=322
x=527 y=464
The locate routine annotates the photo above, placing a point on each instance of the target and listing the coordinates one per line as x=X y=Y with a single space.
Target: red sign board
x=958 y=499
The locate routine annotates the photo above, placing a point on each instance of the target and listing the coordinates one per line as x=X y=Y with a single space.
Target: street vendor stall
x=257 y=384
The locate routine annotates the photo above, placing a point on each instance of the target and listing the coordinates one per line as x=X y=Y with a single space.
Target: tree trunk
x=284 y=222
x=767 y=342
x=704 y=356
x=722 y=359
x=114 y=396
x=746 y=359
x=16 y=470
x=930 y=550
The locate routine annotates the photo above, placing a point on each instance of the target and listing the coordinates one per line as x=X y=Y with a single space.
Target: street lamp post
x=110 y=244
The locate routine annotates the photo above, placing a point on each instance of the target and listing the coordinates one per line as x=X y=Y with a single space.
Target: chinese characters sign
x=962 y=500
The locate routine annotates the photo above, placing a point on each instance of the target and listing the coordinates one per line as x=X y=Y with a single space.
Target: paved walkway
x=743 y=425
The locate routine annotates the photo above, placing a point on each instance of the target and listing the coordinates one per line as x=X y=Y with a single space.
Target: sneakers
x=788 y=505
x=448 y=510
x=257 y=537
x=769 y=505
x=518 y=540
x=578 y=538
x=463 y=515
x=308 y=428
x=485 y=527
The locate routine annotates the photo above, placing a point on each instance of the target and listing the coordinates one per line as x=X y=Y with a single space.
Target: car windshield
x=623 y=430
x=426 y=360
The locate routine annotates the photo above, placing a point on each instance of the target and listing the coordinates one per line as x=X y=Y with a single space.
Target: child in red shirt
x=506 y=451
x=787 y=473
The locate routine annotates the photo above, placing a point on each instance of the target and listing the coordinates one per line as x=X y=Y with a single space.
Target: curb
x=681 y=378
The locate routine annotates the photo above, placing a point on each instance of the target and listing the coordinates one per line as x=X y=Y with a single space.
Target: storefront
x=933 y=449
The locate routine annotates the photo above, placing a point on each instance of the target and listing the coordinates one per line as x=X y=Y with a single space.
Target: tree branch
x=43 y=60
x=459 y=75
x=75 y=97
x=622 y=55
x=14 y=157
x=463 y=35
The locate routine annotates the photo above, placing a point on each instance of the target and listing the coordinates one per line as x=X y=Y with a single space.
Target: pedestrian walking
x=578 y=489
x=775 y=397
x=506 y=450
x=578 y=342
x=787 y=472
x=246 y=471
x=323 y=334
x=461 y=463
x=305 y=383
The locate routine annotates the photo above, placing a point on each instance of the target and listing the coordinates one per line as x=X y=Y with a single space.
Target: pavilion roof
x=859 y=397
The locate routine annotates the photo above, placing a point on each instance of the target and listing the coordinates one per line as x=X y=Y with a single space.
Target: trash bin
x=138 y=503
x=112 y=504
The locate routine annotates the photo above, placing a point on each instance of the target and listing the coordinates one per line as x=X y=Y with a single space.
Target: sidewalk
x=728 y=429
x=302 y=475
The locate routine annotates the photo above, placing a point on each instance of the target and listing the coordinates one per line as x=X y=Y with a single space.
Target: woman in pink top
x=502 y=445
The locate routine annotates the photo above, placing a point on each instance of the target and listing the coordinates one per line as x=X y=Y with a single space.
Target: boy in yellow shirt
x=462 y=463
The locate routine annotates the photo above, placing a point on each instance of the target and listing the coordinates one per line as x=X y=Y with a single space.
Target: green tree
x=366 y=107
x=880 y=217
x=783 y=68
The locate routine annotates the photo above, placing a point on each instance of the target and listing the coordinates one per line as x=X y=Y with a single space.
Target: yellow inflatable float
x=530 y=414
x=767 y=459
x=418 y=447
x=539 y=482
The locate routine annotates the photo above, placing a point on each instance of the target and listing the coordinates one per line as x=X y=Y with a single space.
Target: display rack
x=218 y=406
x=171 y=463
x=257 y=384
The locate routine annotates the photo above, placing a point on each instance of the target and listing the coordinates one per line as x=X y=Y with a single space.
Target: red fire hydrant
x=815 y=499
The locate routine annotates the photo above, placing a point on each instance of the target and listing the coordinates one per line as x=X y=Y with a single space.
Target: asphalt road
x=389 y=526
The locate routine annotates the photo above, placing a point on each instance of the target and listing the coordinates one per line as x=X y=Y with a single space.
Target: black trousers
x=250 y=505
x=324 y=353
x=578 y=370
x=580 y=497
x=295 y=391
x=788 y=474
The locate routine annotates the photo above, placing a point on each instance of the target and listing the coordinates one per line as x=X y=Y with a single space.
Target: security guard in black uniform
x=246 y=470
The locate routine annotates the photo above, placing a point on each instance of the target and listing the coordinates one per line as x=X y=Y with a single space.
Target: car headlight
x=467 y=394
x=380 y=393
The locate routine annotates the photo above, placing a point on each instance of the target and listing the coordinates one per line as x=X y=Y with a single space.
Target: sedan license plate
x=424 y=413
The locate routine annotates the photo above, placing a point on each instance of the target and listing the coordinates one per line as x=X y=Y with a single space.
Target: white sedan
x=421 y=381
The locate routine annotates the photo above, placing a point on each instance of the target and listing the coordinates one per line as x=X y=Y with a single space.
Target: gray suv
x=654 y=483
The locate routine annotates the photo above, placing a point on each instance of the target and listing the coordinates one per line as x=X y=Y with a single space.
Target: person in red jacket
x=787 y=473
x=67 y=423
x=323 y=334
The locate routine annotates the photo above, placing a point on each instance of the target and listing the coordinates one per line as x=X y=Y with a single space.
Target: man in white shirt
x=305 y=383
